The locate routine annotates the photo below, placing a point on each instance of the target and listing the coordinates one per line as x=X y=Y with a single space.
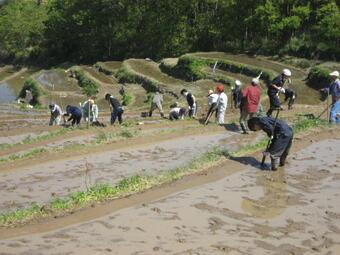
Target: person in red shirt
x=250 y=101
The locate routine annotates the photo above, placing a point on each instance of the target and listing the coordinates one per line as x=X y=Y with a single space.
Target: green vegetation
x=78 y=30
x=318 y=77
x=101 y=67
x=125 y=74
x=27 y=155
x=29 y=139
x=191 y=67
x=33 y=86
x=90 y=88
x=101 y=192
x=126 y=100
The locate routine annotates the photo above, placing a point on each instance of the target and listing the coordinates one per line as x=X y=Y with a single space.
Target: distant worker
x=176 y=112
x=237 y=94
x=290 y=96
x=90 y=109
x=221 y=104
x=274 y=90
x=334 y=90
x=251 y=96
x=212 y=104
x=192 y=104
x=56 y=114
x=116 y=109
x=281 y=138
x=157 y=103
x=74 y=113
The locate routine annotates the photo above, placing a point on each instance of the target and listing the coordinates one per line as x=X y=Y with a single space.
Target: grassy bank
x=137 y=183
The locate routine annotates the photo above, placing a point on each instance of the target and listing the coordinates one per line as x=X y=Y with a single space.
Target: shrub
x=126 y=99
x=101 y=67
x=32 y=85
x=318 y=77
x=90 y=88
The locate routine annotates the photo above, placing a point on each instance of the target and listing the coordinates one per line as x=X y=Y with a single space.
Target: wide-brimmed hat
x=334 y=73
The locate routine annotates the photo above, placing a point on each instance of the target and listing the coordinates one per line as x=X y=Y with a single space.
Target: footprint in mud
x=215 y=224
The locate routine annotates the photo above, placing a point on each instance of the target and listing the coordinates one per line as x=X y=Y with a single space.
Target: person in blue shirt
x=74 y=113
x=281 y=138
x=275 y=88
x=334 y=90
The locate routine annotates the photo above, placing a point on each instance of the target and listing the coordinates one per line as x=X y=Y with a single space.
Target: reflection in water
x=274 y=201
x=7 y=94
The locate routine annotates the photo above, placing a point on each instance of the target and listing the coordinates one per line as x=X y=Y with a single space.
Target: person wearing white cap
x=212 y=103
x=90 y=109
x=237 y=94
x=275 y=88
x=251 y=96
x=334 y=90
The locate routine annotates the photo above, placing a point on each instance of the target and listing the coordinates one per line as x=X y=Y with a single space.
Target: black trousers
x=279 y=149
x=274 y=101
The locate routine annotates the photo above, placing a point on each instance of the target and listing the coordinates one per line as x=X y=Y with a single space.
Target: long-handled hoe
x=270 y=140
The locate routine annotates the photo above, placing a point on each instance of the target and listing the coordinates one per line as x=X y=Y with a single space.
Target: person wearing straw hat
x=334 y=90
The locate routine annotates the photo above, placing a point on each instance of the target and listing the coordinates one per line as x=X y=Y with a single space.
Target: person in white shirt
x=212 y=103
x=221 y=104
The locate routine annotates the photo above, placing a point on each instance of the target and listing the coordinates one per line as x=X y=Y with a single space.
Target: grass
x=30 y=154
x=102 y=192
x=29 y=139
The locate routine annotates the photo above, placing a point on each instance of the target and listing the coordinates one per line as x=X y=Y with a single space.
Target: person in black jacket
x=192 y=104
x=281 y=138
x=116 y=109
x=74 y=113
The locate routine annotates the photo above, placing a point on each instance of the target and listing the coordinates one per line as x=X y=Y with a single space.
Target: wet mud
x=292 y=211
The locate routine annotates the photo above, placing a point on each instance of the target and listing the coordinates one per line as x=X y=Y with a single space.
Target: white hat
x=238 y=83
x=255 y=81
x=335 y=73
x=287 y=72
x=210 y=92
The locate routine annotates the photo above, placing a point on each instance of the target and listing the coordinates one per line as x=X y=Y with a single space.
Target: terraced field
x=152 y=186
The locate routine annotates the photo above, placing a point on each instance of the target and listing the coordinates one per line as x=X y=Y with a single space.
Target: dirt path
x=248 y=212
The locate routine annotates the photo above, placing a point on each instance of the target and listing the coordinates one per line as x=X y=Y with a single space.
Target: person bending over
x=281 y=136
x=74 y=113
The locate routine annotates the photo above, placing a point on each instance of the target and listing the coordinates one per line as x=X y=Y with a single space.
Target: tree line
x=53 y=31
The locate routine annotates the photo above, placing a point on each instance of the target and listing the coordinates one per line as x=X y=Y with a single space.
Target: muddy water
x=40 y=183
x=300 y=215
x=7 y=94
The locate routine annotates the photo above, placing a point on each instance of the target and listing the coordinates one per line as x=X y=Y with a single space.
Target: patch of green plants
x=126 y=99
x=318 y=77
x=102 y=192
x=27 y=155
x=191 y=67
x=33 y=86
x=101 y=67
x=89 y=87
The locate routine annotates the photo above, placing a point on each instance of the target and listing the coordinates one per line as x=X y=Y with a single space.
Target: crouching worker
x=176 y=112
x=74 y=113
x=290 y=96
x=281 y=136
x=56 y=113
x=212 y=103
